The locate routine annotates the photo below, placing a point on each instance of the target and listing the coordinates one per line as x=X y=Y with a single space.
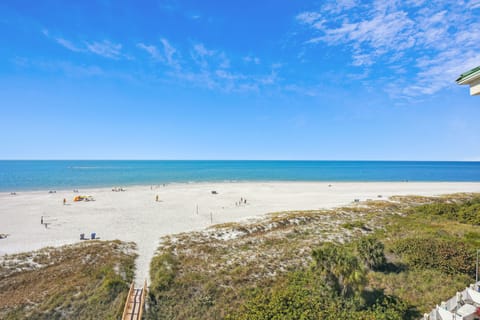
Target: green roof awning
x=468 y=73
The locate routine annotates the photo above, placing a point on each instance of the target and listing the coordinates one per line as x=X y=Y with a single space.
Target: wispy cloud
x=200 y=49
x=67 y=44
x=165 y=53
x=424 y=37
x=152 y=50
x=63 y=42
x=309 y=17
x=105 y=49
x=170 y=53
x=201 y=66
x=194 y=64
x=251 y=59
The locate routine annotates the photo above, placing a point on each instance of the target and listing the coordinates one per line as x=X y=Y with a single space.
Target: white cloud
x=68 y=44
x=222 y=74
x=224 y=61
x=362 y=59
x=200 y=49
x=308 y=17
x=204 y=67
x=152 y=50
x=169 y=51
x=209 y=58
x=212 y=69
x=340 y=5
x=435 y=41
x=251 y=59
x=105 y=49
x=382 y=32
x=166 y=54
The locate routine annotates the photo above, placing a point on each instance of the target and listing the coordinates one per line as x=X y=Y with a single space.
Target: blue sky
x=372 y=80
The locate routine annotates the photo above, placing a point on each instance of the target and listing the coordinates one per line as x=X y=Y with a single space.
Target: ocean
x=68 y=174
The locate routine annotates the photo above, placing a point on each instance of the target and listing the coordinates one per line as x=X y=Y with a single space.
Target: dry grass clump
x=82 y=281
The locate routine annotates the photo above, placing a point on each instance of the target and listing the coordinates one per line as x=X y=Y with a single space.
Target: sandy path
x=134 y=215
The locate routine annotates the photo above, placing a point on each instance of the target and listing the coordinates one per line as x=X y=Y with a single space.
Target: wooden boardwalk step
x=135 y=302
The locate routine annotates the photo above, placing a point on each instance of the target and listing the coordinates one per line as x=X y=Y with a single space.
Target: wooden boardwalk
x=135 y=302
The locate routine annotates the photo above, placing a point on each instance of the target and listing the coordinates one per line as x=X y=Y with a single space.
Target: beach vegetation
x=89 y=280
x=372 y=252
x=374 y=260
x=451 y=256
x=341 y=269
x=352 y=225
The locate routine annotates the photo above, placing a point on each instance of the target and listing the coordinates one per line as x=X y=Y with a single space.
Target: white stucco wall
x=475 y=87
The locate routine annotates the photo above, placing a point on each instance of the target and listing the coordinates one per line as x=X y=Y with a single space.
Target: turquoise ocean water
x=67 y=174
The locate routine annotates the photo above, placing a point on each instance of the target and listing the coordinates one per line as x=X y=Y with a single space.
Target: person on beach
x=64 y=201
x=156 y=198
x=41 y=220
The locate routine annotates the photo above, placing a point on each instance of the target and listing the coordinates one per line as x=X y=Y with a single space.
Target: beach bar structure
x=471 y=78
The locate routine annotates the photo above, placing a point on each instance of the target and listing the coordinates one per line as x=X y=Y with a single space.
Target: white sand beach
x=134 y=215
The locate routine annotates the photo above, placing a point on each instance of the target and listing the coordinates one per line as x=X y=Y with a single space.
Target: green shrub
x=163 y=271
x=340 y=268
x=353 y=224
x=449 y=256
x=304 y=295
x=115 y=286
x=468 y=212
x=448 y=210
x=372 y=252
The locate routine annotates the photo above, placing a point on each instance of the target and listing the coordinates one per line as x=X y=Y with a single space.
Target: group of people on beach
x=43 y=222
x=242 y=201
x=156 y=186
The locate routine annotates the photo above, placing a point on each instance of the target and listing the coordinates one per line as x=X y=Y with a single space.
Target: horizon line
x=304 y=160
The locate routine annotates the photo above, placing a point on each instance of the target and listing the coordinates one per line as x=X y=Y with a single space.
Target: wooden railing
x=135 y=302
